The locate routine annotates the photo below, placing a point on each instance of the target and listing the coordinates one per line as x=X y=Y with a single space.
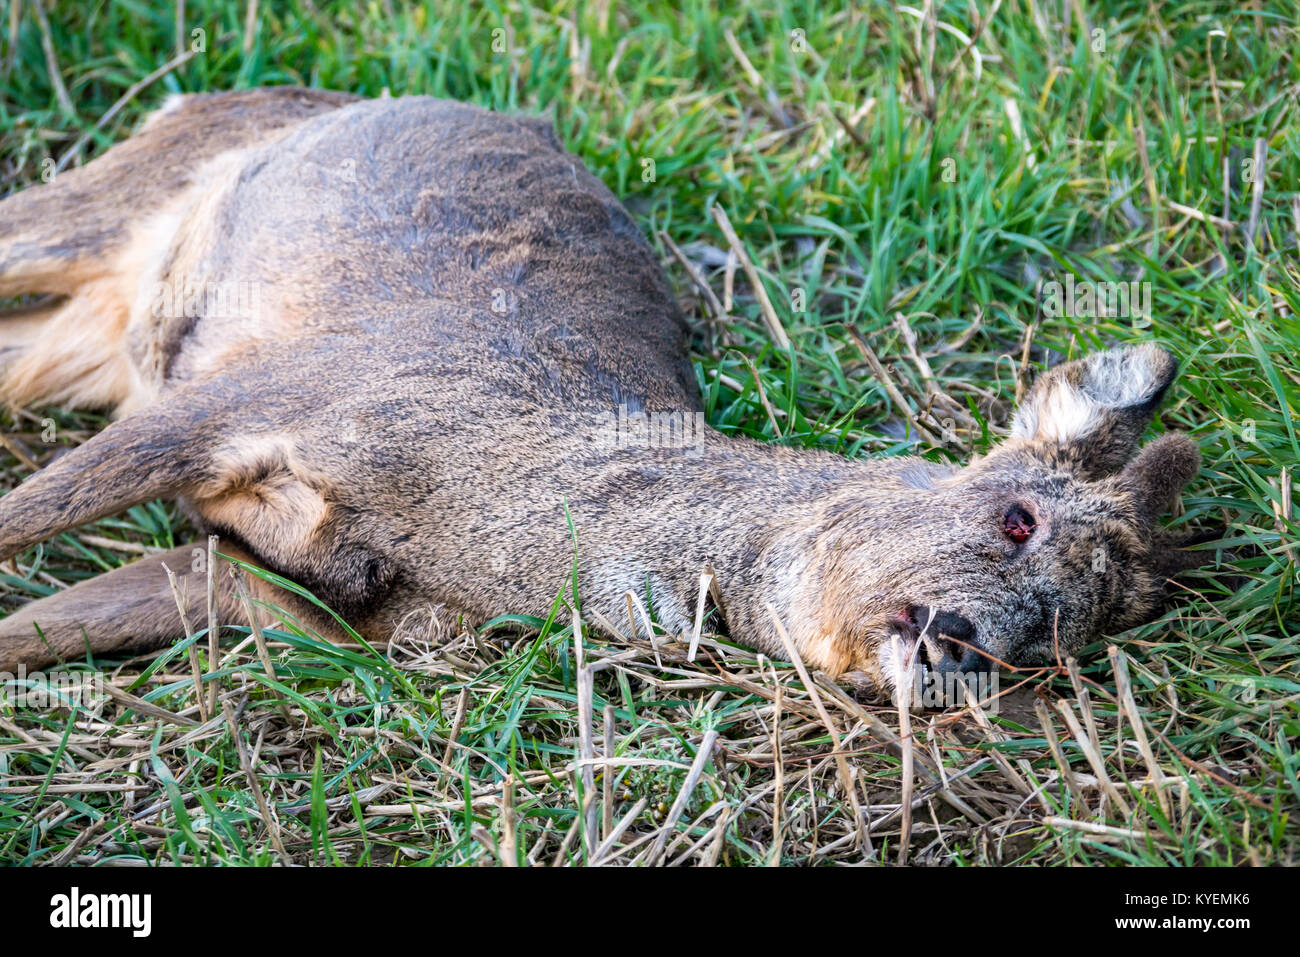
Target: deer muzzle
x=949 y=641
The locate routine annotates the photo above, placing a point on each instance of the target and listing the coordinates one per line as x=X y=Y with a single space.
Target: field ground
x=902 y=172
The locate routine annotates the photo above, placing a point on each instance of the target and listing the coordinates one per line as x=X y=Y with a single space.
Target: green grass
x=931 y=210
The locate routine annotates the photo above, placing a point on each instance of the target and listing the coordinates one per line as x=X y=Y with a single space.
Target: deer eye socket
x=1018 y=525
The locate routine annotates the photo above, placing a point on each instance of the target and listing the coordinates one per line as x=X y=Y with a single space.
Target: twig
x=586 y=747
x=1124 y=689
x=15 y=24
x=1018 y=131
x=1257 y=190
x=1092 y=827
x=1022 y=374
x=679 y=805
x=966 y=336
x=1094 y=757
x=122 y=101
x=1198 y=215
x=508 y=853
x=1054 y=744
x=762 y=396
x=144 y=707
x=1148 y=177
x=1011 y=774
x=607 y=777
x=846 y=778
x=705 y=581
x=17 y=451
x=462 y=702
x=623 y=824
x=774 y=327
x=180 y=27
x=250 y=26
x=193 y=649
x=778 y=789
x=214 y=646
x=246 y=763
x=51 y=61
x=975 y=35
x=896 y=397
x=903 y=698
x=263 y=653
x=710 y=297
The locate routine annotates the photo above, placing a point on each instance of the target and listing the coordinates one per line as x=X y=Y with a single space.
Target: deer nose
x=952 y=639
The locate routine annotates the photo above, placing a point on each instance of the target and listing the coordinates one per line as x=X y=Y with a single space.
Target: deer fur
x=452 y=318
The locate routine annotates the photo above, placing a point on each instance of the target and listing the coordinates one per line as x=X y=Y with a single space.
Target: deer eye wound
x=1018 y=525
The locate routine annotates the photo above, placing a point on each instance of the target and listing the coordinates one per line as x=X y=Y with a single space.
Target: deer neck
x=759 y=519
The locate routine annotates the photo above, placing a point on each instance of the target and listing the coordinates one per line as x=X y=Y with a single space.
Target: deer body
x=441 y=320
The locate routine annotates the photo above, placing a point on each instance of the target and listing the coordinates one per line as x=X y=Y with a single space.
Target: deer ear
x=1159 y=473
x=1095 y=409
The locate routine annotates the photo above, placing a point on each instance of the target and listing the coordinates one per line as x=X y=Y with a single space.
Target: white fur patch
x=898 y=663
x=1062 y=415
x=171 y=104
x=606 y=589
x=1123 y=377
x=1115 y=379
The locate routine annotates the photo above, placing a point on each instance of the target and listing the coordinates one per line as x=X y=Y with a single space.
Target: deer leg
x=159 y=451
x=129 y=610
x=21 y=325
x=95 y=234
x=156 y=452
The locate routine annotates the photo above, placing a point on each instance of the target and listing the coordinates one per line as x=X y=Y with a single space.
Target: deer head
x=1021 y=557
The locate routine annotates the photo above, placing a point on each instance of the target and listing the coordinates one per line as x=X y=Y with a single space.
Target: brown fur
x=452 y=314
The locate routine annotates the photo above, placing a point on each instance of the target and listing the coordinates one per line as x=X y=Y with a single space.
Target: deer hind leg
x=21 y=326
x=72 y=355
x=137 y=458
x=156 y=452
x=190 y=447
x=94 y=234
x=164 y=450
x=57 y=236
x=129 y=610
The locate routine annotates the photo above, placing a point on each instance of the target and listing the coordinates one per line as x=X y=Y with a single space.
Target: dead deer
x=454 y=323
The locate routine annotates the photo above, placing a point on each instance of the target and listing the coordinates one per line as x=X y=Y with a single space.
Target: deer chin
x=877 y=663
x=909 y=646
x=898 y=663
x=906 y=652
x=874 y=649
